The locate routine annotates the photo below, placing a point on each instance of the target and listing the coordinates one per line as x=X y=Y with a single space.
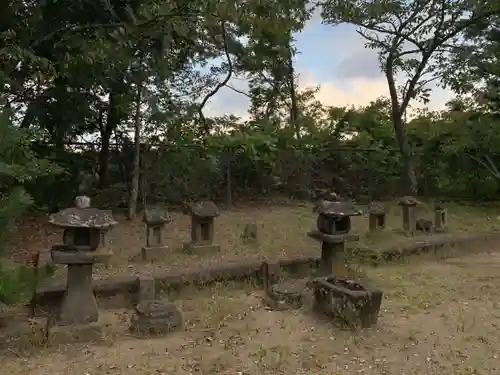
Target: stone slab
x=153 y=252
x=58 y=334
x=190 y=247
x=80 y=257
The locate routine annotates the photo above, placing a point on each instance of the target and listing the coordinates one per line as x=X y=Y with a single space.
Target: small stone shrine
x=408 y=206
x=202 y=226
x=377 y=213
x=155 y=219
x=333 y=226
x=152 y=316
x=279 y=296
x=440 y=218
x=83 y=227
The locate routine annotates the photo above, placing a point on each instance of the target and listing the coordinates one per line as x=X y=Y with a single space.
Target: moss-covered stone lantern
x=83 y=227
x=332 y=229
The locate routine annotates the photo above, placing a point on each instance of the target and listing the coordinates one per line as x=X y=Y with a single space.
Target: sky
x=334 y=58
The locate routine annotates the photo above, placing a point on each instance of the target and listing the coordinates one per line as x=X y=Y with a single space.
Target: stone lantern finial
x=82 y=202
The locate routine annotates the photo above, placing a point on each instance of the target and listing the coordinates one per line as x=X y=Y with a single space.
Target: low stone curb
x=126 y=287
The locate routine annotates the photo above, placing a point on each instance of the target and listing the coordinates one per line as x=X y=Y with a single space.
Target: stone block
x=155 y=318
x=146 y=289
x=193 y=247
x=284 y=296
x=151 y=253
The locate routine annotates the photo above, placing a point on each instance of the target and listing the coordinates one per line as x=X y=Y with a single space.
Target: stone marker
x=202 y=227
x=249 y=234
x=82 y=226
x=440 y=218
x=155 y=219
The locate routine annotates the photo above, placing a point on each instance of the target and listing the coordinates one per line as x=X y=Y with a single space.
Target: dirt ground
x=439 y=317
x=282 y=233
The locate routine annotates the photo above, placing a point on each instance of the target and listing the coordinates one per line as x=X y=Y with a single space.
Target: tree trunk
x=136 y=172
x=410 y=176
x=294 y=112
x=397 y=112
x=112 y=122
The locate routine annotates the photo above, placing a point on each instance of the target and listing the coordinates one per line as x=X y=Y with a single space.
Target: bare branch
x=488 y=165
x=220 y=84
x=238 y=91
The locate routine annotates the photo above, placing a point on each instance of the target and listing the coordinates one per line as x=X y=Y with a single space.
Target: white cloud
x=347 y=92
x=362 y=91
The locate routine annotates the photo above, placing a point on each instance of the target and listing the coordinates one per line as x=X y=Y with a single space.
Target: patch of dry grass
x=437 y=318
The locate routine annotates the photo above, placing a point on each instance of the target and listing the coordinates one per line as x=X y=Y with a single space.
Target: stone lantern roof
x=204 y=209
x=336 y=209
x=82 y=216
x=409 y=201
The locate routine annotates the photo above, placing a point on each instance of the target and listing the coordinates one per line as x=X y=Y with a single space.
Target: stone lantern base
x=79 y=305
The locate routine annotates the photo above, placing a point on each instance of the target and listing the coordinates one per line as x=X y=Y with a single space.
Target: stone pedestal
x=408 y=206
x=332 y=251
x=79 y=305
x=409 y=220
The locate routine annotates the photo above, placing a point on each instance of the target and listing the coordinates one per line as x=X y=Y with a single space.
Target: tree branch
x=238 y=91
x=220 y=84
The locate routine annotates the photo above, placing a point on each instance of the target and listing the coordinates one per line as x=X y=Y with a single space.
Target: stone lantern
x=333 y=227
x=334 y=294
x=83 y=228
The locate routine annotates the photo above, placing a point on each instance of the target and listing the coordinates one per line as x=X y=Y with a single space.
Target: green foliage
x=17 y=283
x=19 y=165
x=70 y=75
